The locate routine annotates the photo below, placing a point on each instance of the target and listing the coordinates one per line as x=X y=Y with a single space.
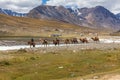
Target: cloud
x=26 y=5
x=112 y=5
x=19 y=5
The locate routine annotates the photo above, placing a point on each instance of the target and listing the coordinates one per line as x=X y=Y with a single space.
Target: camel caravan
x=57 y=41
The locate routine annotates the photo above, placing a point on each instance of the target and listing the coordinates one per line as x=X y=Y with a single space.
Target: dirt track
x=110 y=77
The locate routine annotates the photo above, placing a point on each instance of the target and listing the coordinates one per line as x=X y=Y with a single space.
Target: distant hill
x=19 y=26
x=46 y=20
x=54 y=13
x=100 y=17
x=11 y=13
x=97 y=17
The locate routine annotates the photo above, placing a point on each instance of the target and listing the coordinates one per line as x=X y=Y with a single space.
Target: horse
x=83 y=40
x=31 y=43
x=56 y=42
x=95 y=39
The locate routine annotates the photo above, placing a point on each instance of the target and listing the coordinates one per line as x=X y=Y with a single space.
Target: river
x=17 y=47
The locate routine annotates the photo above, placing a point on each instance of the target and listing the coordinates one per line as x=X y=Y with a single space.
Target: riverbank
x=13 y=41
x=73 y=47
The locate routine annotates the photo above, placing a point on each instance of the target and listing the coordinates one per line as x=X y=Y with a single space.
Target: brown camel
x=56 y=42
x=83 y=40
x=31 y=43
x=44 y=42
x=67 y=41
x=95 y=39
x=74 y=41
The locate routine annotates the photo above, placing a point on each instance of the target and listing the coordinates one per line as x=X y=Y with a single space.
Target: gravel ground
x=110 y=77
x=77 y=47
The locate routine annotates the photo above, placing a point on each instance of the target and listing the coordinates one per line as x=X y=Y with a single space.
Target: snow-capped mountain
x=11 y=13
x=95 y=17
x=100 y=17
x=118 y=15
x=74 y=10
x=54 y=13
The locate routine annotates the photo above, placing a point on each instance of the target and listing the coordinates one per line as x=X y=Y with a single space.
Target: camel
x=44 y=42
x=56 y=42
x=83 y=40
x=31 y=43
x=74 y=40
x=95 y=39
x=67 y=41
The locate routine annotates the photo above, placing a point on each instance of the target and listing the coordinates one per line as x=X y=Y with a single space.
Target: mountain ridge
x=118 y=15
x=53 y=12
x=95 y=17
x=23 y=26
x=12 y=13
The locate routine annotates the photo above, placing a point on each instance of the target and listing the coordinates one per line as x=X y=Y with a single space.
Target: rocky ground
x=10 y=43
x=74 y=48
x=77 y=47
x=110 y=77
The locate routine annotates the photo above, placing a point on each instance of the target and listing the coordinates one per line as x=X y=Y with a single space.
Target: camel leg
x=45 y=45
x=33 y=45
x=30 y=45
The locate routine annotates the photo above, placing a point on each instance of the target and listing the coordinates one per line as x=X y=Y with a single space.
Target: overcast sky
x=26 y=5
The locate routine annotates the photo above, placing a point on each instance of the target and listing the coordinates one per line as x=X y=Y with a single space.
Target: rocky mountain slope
x=118 y=15
x=20 y=26
x=100 y=17
x=55 y=13
x=96 y=17
x=11 y=13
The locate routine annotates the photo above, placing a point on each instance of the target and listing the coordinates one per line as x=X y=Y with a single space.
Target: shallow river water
x=16 y=47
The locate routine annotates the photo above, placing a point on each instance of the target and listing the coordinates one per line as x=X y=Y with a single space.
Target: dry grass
x=64 y=65
x=16 y=26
